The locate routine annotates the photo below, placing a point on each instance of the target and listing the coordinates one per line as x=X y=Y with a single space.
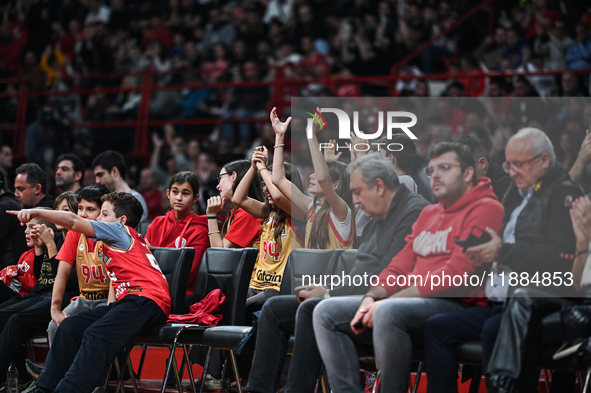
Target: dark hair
x=93 y=193
x=70 y=197
x=319 y=230
x=240 y=167
x=186 y=177
x=110 y=159
x=292 y=174
x=77 y=163
x=125 y=204
x=405 y=157
x=463 y=154
x=35 y=175
x=473 y=144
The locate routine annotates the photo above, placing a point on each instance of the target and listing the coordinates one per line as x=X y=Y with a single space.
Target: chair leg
x=323 y=381
x=141 y=366
x=235 y=367
x=587 y=378
x=205 y=367
x=189 y=368
x=376 y=383
x=176 y=375
x=168 y=366
x=415 y=388
x=130 y=368
x=121 y=369
x=547 y=379
x=475 y=383
x=106 y=384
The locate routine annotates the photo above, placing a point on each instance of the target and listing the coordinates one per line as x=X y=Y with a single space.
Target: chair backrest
x=142 y=227
x=345 y=262
x=175 y=264
x=313 y=263
x=227 y=269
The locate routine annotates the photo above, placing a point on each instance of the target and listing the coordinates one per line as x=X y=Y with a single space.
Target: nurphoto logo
x=391 y=118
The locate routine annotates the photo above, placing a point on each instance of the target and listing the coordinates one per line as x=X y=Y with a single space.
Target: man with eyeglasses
x=537 y=238
x=406 y=292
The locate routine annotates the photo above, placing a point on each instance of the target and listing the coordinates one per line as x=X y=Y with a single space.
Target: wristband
x=212 y=217
x=262 y=169
x=280 y=145
x=211 y=233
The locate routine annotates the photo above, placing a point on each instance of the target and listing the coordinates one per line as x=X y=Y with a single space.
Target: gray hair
x=375 y=166
x=539 y=141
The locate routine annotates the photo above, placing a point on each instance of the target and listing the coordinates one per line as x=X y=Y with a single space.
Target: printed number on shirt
x=270 y=248
x=154 y=263
x=94 y=272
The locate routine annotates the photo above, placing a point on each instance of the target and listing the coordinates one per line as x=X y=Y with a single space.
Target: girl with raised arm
x=330 y=222
x=281 y=233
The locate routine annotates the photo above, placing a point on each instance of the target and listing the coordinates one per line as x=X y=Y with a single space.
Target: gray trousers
x=75 y=307
x=394 y=322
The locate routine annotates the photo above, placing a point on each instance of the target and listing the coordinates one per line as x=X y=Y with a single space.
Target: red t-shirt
x=70 y=247
x=244 y=228
x=133 y=269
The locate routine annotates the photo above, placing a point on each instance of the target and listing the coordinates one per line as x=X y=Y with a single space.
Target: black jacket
x=499 y=179
x=544 y=237
x=12 y=234
x=382 y=240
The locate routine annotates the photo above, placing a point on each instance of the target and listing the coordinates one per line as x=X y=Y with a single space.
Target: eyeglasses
x=219 y=177
x=518 y=164
x=263 y=185
x=441 y=168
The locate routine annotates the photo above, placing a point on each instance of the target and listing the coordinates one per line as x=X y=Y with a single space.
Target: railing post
x=140 y=147
x=18 y=142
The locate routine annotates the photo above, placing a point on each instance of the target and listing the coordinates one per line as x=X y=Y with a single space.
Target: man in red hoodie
x=423 y=279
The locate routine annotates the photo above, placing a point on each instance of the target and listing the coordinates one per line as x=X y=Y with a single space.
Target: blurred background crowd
x=85 y=61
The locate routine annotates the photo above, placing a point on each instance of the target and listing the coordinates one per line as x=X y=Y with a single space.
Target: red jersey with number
x=132 y=268
x=190 y=231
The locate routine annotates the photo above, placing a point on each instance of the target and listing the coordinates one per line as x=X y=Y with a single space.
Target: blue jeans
x=393 y=322
x=444 y=331
x=86 y=343
x=281 y=317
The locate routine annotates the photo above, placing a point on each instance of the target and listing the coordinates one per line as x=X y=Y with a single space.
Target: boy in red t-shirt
x=86 y=343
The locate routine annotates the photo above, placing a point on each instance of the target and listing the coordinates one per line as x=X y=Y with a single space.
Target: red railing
x=280 y=85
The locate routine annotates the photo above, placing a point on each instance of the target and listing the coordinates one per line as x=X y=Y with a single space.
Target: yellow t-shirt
x=335 y=240
x=268 y=270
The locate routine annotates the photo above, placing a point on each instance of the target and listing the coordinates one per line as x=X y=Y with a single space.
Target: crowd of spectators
x=57 y=44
